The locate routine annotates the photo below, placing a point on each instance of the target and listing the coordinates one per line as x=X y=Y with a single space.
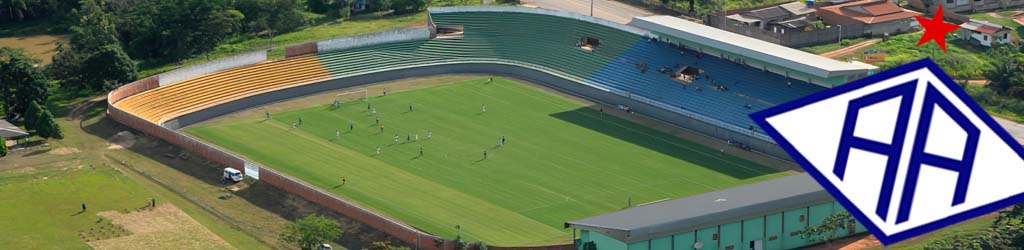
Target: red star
x=935 y=29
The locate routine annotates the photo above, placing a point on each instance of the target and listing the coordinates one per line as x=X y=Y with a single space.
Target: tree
x=95 y=28
x=214 y=23
x=407 y=6
x=108 y=68
x=21 y=82
x=3 y=147
x=32 y=115
x=270 y=16
x=706 y=8
x=1006 y=71
x=826 y=230
x=46 y=125
x=308 y=233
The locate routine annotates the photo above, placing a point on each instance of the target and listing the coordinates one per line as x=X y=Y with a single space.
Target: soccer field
x=561 y=161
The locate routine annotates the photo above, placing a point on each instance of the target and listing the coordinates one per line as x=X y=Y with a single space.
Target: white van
x=232 y=174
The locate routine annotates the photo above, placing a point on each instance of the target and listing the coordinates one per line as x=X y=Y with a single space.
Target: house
x=964 y=5
x=984 y=33
x=870 y=17
x=785 y=15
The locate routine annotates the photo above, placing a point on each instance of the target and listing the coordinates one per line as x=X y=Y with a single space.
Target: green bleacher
x=541 y=40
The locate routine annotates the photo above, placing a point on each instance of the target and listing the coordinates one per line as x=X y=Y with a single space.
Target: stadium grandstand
x=766 y=215
x=693 y=76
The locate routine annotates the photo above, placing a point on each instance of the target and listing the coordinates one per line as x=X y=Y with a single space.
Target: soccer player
x=351 y=126
x=396 y=139
x=503 y=140
x=421 y=151
x=381 y=128
x=378 y=119
x=490 y=79
x=374 y=111
x=410 y=107
x=417 y=137
x=408 y=137
x=378 y=150
x=294 y=125
x=300 y=120
x=483 y=108
x=485 y=154
x=429 y=134
x=343 y=180
x=337 y=134
x=267 y=116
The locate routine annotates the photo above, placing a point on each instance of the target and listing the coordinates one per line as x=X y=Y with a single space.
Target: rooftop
x=982 y=26
x=708 y=209
x=775 y=54
x=869 y=11
x=8 y=130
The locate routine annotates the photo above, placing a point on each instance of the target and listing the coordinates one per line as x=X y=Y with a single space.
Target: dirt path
x=850 y=49
x=1018 y=17
x=981 y=82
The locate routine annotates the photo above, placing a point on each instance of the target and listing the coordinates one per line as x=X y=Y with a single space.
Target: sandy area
x=164 y=227
x=121 y=140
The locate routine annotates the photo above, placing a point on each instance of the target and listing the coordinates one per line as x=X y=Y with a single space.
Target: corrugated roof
x=708 y=209
x=869 y=12
x=750 y=47
x=982 y=26
x=768 y=13
x=8 y=130
x=797 y=8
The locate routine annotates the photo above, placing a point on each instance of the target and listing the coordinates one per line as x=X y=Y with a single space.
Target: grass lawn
x=1000 y=18
x=42 y=210
x=562 y=161
x=967 y=227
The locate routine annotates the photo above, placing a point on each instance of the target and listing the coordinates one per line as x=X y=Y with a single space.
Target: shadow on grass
x=272 y=199
x=663 y=143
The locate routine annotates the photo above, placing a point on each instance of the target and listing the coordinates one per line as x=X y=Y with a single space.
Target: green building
x=768 y=215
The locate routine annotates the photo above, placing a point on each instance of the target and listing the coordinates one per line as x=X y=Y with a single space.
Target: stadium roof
x=8 y=130
x=750 y=47
x=706 y=210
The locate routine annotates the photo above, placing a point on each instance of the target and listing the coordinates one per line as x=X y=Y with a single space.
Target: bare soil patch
x=41 y=47
x=163 y=227
x=121 y=140
x=64 y=151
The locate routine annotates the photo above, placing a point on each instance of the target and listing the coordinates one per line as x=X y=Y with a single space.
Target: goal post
x=349 y=96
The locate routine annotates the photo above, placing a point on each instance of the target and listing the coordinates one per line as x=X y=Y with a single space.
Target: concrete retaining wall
x=539 y=11
x=182 y=74
x=390 y=36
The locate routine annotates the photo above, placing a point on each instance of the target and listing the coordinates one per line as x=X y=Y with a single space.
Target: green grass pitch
x=562 y=161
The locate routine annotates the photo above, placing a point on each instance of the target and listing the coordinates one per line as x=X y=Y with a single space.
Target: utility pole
x=591 y=8
x=840 y=35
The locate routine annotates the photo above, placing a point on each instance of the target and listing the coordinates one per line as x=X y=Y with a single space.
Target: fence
x=390 y=36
